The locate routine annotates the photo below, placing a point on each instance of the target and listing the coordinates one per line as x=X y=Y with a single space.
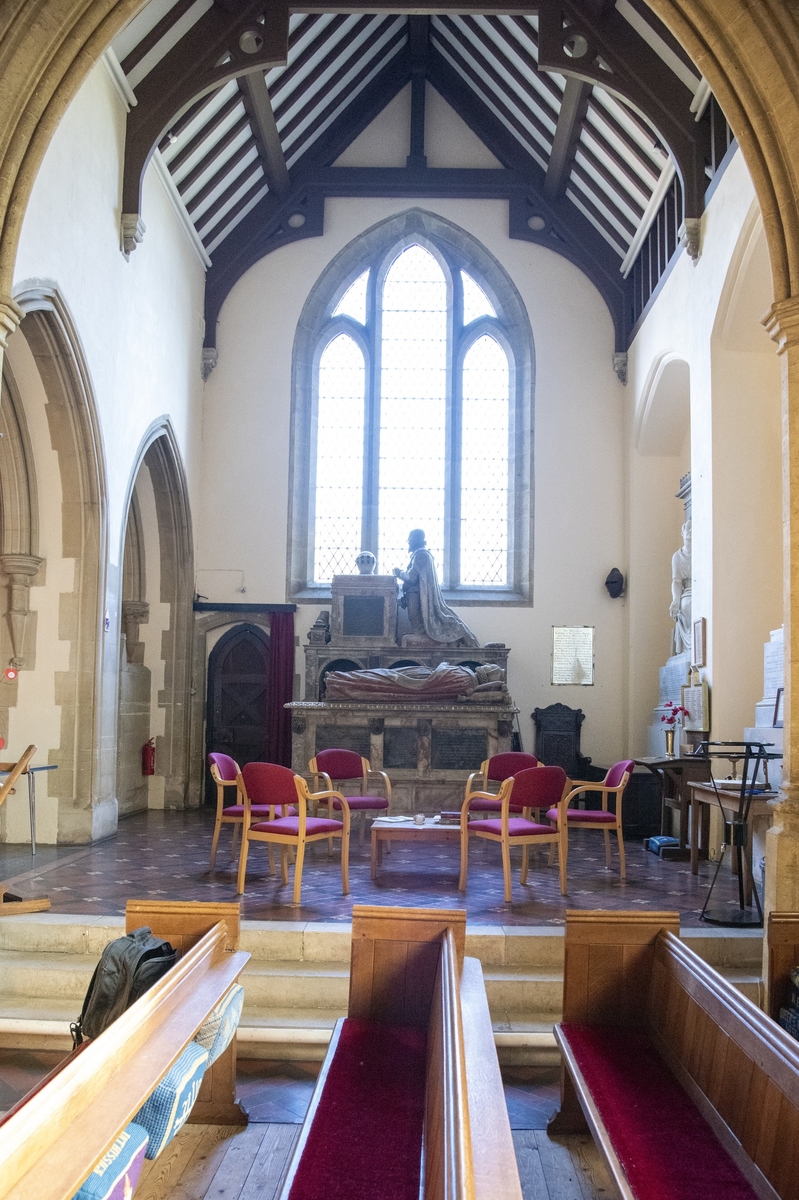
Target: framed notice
x=573 y=654
x=698 y=648
x=779 y=708
x=697 y=701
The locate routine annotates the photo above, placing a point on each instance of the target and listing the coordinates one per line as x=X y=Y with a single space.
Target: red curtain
x=281 y=686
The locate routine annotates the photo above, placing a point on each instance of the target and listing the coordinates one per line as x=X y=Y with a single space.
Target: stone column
x=20 y=569
x=134 y=614
x=10 y=316
x=782 y=840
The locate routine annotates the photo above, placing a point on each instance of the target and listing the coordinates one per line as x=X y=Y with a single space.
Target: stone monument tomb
x=425 y=710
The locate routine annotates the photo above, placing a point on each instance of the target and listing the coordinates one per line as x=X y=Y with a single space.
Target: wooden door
x=238 y=698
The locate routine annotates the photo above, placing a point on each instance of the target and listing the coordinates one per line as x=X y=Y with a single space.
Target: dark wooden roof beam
x=612 y=183
x=254 y=185
x=592 y=134
x=419 y=43
x=603 y=201
x=302 y=60
x=491 y=53
x=264 y=127
x=210 y=215
x=567 y=134
x=151 y=39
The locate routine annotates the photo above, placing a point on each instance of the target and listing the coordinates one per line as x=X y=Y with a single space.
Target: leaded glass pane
x=413 y=407
x=484 y=465
x=353 y=302
x=339 y=459
x=475 y=302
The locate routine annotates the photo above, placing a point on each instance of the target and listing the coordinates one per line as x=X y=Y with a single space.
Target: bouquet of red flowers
x=675 y=712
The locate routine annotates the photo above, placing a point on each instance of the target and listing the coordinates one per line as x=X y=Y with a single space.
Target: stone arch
x=159 y=453
x=662 y=420
x=84 y=782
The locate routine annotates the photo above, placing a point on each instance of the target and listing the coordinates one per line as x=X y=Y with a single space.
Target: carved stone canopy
x=21 y=570
x=134 y=614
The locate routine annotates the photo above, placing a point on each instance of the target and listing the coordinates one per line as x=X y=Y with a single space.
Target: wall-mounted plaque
x=400 y=748
x=459 y=749
x=363 y=616
x=343 y=737
x=573 y=654
x=696 y=700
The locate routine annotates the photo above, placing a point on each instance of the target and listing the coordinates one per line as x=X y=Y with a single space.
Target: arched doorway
x=238 y=698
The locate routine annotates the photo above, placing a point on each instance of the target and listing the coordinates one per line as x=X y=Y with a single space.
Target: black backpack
x=128 y=967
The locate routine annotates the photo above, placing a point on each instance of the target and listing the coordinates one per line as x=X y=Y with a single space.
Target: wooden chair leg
x=525 y=857
x=345 y=864
x=622 y=863
x=464 y=861
x=245 y=846
x=362 y=823
x=298 y=872
x=551 y=859
x=235 y=842
x=562 y=864
x=607 y=846
x=215 y=842
x=270 y=852
x=284 y=871
x=506 y=871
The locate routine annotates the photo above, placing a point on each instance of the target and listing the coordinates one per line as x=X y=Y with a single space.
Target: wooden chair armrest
x=385 y=778
x=330 y=794
x=315 y=776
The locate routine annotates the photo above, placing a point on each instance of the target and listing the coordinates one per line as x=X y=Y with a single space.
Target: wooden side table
x=703 y=797
x=408 y=831
x=676 y=775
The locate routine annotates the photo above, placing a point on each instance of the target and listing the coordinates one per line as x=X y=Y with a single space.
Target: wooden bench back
x=782 y=941
x=394 y=960
x=608 y=965
x=740 y=1069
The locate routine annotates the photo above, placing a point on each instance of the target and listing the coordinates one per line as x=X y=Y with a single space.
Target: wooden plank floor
x=217 y=1162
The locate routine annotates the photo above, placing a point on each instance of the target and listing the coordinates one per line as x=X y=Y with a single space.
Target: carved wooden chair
x=602 y=818
x=294 y=831
x=534 y=788
x=484 y=798
x=342 y=767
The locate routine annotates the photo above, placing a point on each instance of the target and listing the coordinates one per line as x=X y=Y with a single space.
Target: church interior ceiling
x=595 y=113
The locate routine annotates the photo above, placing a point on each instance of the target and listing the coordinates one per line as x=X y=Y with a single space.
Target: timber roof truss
x=590 y=106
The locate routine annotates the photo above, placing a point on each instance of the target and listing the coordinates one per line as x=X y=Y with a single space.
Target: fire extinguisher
x=148 y=757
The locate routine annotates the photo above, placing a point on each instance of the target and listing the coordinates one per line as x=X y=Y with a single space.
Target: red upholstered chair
x=534 y=788
x=225 y=773
x=482 y=797
x=602 y=818
x=280 y=786
x=345 y=766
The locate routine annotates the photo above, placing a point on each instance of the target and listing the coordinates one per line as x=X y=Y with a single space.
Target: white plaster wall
x=708 y=315
x=579 y=480
x=140 y=327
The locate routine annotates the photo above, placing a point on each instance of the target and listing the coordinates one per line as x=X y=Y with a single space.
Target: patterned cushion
x=170 y=1104
x=216 y=1033
x=117 y=1172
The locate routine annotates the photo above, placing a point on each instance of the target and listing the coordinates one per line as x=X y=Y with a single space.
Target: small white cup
x=419 y=819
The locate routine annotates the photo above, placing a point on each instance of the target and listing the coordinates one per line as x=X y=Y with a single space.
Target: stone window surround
x=456 y=249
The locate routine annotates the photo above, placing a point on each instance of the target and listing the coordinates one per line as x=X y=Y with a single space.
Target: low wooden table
x=703 y=797
x=408 y=831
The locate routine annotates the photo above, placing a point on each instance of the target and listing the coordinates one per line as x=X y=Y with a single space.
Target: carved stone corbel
x=134 y=614
x=10 y=316
x=210 y=357
x=688 y=235
x=620 y=366
x=20 y=569
x=132 y=231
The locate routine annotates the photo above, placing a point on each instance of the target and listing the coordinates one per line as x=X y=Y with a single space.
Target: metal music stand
x=754 y=755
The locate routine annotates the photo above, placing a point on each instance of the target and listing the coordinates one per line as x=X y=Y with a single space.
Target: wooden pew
x=408 y=971
x=52 y=1143
x=640 y=1005
x=782 y=944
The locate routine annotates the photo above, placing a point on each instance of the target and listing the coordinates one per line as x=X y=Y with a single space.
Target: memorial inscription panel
x=459 y=749
x=363 y=616
x=343 y=737
x=400 y=748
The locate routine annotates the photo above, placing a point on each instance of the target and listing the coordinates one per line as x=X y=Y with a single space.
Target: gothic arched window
x=415 y=413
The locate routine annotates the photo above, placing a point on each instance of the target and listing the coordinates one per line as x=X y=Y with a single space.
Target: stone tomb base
x=427 y=750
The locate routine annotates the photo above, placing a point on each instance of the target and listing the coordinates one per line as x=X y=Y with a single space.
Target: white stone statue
x=432 y=621
x=680 y=607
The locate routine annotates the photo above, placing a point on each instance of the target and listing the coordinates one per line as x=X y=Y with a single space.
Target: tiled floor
x=166 y=854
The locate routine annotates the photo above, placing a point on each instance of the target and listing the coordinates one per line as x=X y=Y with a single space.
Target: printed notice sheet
x=573 y=654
